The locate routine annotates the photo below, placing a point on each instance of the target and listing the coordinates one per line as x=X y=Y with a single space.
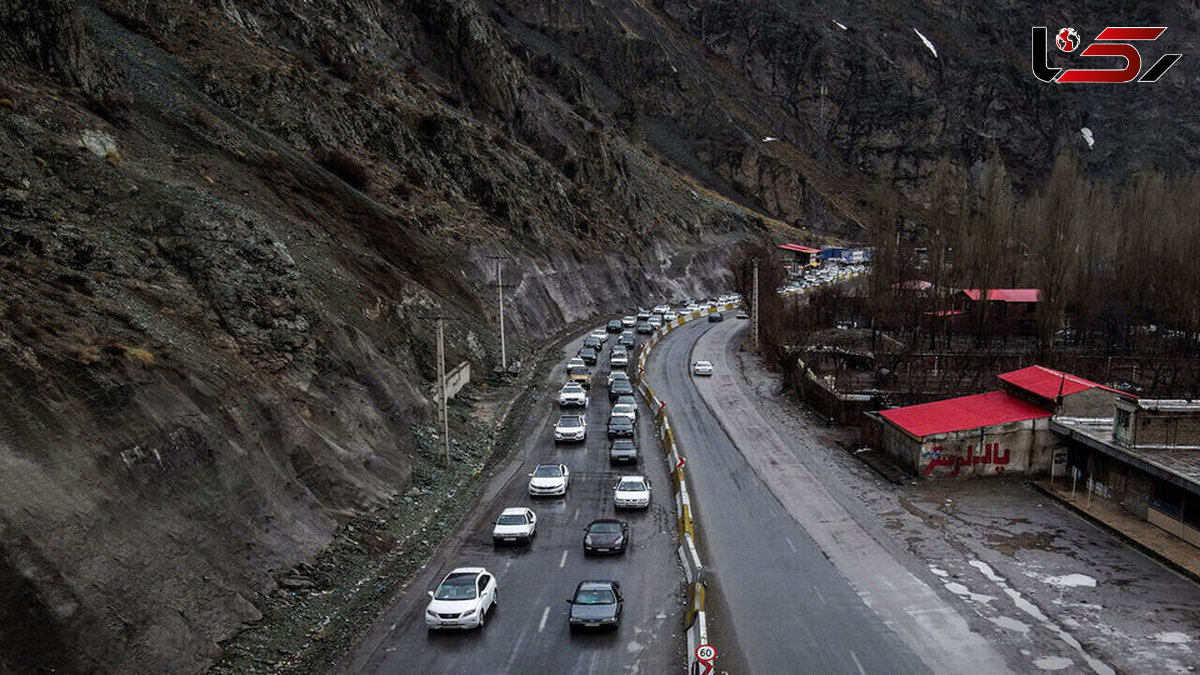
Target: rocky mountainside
x=226 y=226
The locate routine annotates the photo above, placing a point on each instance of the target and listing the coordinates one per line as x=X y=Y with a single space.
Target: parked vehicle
x=702 y=368
x=605 y=535
x=570 y=428
x=596 y=604
x=549 y=480
x=620 y=427
x=572 y=394
x=515 y=525
x=462 y=600
x=622 y=450
x=632 y=492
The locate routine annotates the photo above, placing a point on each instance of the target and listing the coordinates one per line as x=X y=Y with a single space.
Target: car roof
x=606 y=520
x=596 y=585
x=622 y=441
x=514 y=511
x=554 y=464
x=707 y=363
x=466 y=570
x=641 y=478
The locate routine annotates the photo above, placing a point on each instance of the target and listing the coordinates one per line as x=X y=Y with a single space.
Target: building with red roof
x=800 y=257
x=1061 y=392
x=1009 y=310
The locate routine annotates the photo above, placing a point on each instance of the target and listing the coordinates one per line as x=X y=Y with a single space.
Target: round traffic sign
x=706 y=652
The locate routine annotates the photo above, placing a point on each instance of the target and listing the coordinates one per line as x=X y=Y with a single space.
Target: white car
x=670 y=316
x=655 y=320
x=632 y=492
x=517 y=524
x=702 y=368
x=618 y=359
x=625 y=410
x=616 y=375
x=549 y=480
x=572 y=394
x=628 y=321
x=462 y=600
x=600 y=334
x=662 y=309
x=570 y=428
x=576 y=362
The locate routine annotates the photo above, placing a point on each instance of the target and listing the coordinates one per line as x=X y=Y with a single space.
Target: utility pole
x=500 y=293
x=441 y=370
x=754 y=306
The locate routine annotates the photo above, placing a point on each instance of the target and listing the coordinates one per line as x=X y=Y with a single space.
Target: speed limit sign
x=706 y=652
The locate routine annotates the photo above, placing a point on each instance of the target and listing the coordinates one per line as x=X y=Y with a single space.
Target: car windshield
x=457 y=587
x=620 y=421
x=578 y=370
x=623 y=408
x=547 y=471
x=512 y=519
x=594 y=597
x=622 y=445
x=572 y=389
x=605 y=528
x=631 y=486
x=570 y=422
x=619 y=376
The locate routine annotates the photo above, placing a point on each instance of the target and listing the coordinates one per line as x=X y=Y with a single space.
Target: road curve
x=787 y=608
x=528 y=632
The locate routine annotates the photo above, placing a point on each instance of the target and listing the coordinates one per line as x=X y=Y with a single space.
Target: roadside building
x=1007 y=310
x=797 y=257
x=1144 y=457
x=1004 y=431
x=982 y=434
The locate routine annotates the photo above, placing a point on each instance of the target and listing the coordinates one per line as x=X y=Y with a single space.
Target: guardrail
x=695 y=621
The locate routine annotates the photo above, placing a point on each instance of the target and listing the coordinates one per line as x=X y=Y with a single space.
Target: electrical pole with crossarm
x=500 y=294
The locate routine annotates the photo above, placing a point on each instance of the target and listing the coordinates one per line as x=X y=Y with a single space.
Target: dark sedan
x=606 y=535
x=622 y=450
x=596 y=604
x=716 y=317
x=620 y=427
x=627 y=339
x=588 y=355
x=620 y=388
x=614 y=326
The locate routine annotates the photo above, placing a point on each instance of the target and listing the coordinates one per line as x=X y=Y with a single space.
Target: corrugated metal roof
x=1050 y=384
x=960 y=414
x=799 y=249
x=1005 y=294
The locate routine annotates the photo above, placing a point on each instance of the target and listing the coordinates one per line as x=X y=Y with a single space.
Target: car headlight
x=619 y=541
x=611 y=619
x=588 y=540
x=467 y=613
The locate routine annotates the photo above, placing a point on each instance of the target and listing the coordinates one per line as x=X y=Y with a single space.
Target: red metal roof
x=799 y=249
x=1006 y=294
x=966 y=412
x=1049 y=383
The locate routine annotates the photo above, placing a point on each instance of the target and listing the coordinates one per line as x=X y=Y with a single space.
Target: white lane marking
x=576 y=516
x=819 y=596
x=542 y=623
x=563 y=563
x=789 y=541
x=860 y=668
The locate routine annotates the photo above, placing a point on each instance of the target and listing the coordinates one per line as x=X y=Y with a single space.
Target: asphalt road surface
x=528 y=631
x=781 y=605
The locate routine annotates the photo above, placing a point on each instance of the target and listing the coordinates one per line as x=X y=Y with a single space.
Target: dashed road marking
x=542 y=623
x=789 y=541
x=856 y=663
x=563 y=563
x=819 y=596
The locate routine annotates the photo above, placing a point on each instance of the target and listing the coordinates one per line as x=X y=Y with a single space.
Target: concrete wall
x=1088 y=403
x=1023 y=448
x=1165 y=428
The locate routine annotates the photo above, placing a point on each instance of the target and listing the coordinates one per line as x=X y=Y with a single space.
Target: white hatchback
x=702 y=368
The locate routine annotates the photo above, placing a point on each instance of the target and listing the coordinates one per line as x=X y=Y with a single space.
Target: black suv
x=593 y=342
x=588 y=355
x=614 y=326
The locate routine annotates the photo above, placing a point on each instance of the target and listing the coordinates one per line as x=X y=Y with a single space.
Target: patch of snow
x=1053 y=662
x=1087 y=136
x=1172 y=638
x=962 y=591
x=99 y=143
x=839 y=24
x=1071 y=581
x=1011 y=624
x=927 y=42
x=768 y=139
x=938 y=571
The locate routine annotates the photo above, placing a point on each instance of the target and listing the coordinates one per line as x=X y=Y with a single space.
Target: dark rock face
x=224 y=229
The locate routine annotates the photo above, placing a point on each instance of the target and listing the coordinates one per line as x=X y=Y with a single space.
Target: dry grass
x=141 y=357
x=85 y=354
